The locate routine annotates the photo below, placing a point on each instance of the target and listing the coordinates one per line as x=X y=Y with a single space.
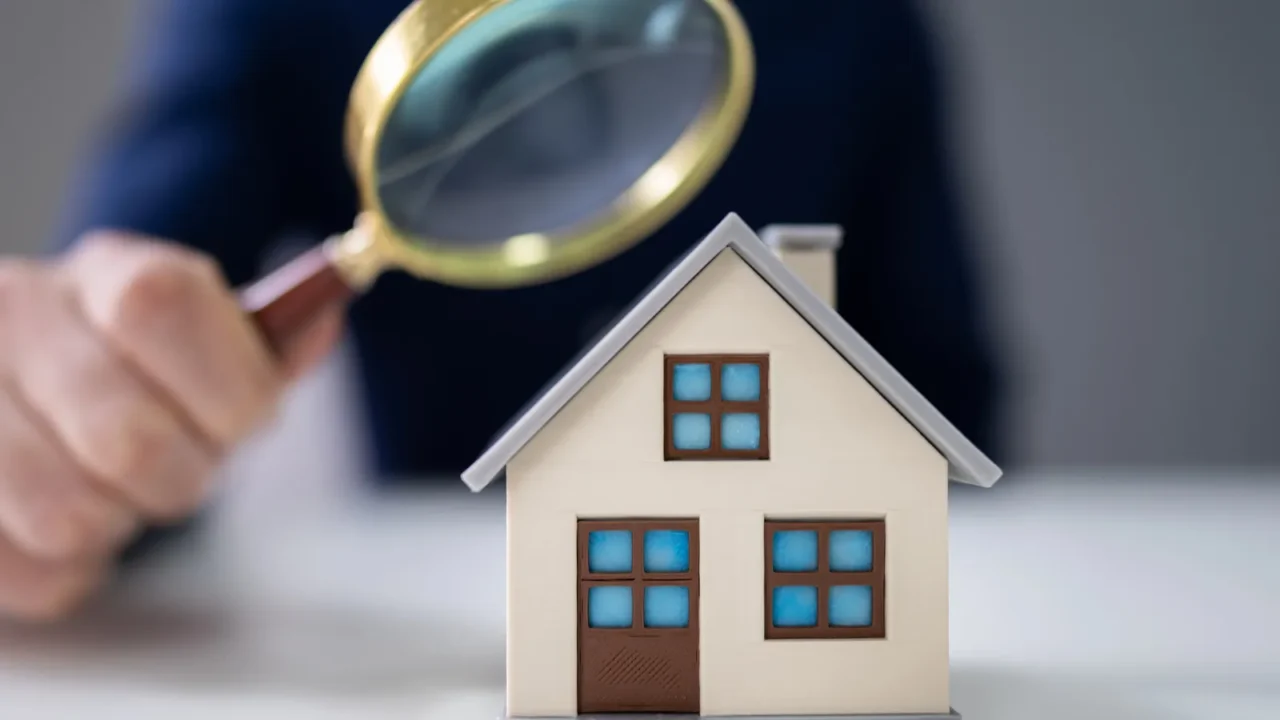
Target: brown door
x=638 y=616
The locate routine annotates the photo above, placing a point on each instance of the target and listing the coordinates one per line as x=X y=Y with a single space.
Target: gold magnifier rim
x=415 y=37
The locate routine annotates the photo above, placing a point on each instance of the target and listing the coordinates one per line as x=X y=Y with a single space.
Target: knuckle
x=33 y=513
x=73 y=528
x=154 y=296
x=202 y=268
x=36 y=520
x=56 y=532
x=259 y=409
x=150 y=460
x=95 y=242
x=198 y=269
x=179 y=499
x=163 y=292
x=53 y=599
x=23 y=460
x=127 y=444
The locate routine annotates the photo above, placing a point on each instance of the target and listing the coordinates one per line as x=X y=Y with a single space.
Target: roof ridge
x=966 y=463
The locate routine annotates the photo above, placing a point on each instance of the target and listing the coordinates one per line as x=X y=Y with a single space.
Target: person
x=127 y=369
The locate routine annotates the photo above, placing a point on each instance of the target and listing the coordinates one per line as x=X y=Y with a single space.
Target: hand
x=127 y=371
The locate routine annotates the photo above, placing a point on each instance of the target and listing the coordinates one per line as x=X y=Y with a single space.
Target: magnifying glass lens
x=540 y=114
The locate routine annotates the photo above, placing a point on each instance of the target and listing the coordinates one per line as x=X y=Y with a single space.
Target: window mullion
x=799 y=578
x=637 y=569
x=717 y=403
x=637 y=604
x=685 y=406
x=637 y=551
x=854 y=578
x=824 y=579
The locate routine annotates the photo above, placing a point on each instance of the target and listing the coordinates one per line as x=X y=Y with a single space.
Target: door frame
x=637 y=635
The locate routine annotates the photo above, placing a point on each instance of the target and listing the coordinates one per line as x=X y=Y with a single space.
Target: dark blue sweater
x=230 y=135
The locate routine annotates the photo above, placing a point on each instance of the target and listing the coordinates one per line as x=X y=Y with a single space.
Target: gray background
x=1122 y=164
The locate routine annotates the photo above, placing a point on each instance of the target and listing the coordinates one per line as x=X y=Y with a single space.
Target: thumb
x=306 y=349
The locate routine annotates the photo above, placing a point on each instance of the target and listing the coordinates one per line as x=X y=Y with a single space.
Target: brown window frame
x=824 y=578
x=715 y=407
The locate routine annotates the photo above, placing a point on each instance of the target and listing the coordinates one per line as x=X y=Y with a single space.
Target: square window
x=716 y=407
x=609 y=606
x=851 y=550
x=850 y=606
x=666 y=606
x=842 y=561
x=795 y=606
x=652 y=590
x=691 y=382
x=740 y=431
x=666 y=551
x=609 y=551
x=740 y=382
x=795 y=551
x=691 y=431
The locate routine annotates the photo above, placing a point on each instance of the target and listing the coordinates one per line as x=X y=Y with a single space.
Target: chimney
x=809 y=251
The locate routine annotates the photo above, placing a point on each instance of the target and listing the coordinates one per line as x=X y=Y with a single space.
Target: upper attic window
x=716 y=407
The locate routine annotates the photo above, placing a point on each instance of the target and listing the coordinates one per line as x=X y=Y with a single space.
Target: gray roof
x=966 y=463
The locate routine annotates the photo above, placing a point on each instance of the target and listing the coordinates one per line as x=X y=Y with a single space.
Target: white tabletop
x=1072 y=598
x=1089 y=598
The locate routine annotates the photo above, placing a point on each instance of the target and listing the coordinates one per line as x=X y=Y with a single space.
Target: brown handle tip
x=285 y=302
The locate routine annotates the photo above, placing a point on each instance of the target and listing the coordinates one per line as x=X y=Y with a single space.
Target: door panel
x=638 y=616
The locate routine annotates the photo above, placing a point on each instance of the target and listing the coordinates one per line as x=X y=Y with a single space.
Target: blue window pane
x=609 y=607
x=609 y=551
x=795 y=606
x=740 y=382
x=851 y=550
x=691 y=431
x=666 y=551
x=850 y=606
x=795 y=551
x=740 y=431
x=691 y=382
x=666 y=606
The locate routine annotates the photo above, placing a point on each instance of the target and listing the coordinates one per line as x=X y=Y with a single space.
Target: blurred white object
x=312 y=456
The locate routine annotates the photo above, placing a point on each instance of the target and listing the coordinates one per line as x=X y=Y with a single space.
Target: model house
x=731 y=505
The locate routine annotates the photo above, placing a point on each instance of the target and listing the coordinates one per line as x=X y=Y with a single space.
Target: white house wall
x=838 y=449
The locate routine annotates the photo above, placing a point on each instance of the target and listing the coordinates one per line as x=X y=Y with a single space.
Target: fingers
x=48 y=506
x=107 y=420
x=35 y=590
x=309 y=347
x=169 y=312
x=126 y=370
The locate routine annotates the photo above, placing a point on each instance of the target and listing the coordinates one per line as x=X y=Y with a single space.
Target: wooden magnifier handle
x=285 y=302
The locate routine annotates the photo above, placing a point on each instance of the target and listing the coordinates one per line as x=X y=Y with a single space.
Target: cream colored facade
x=837 y=449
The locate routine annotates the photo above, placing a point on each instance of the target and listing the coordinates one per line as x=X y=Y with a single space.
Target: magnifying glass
x=501 y=143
